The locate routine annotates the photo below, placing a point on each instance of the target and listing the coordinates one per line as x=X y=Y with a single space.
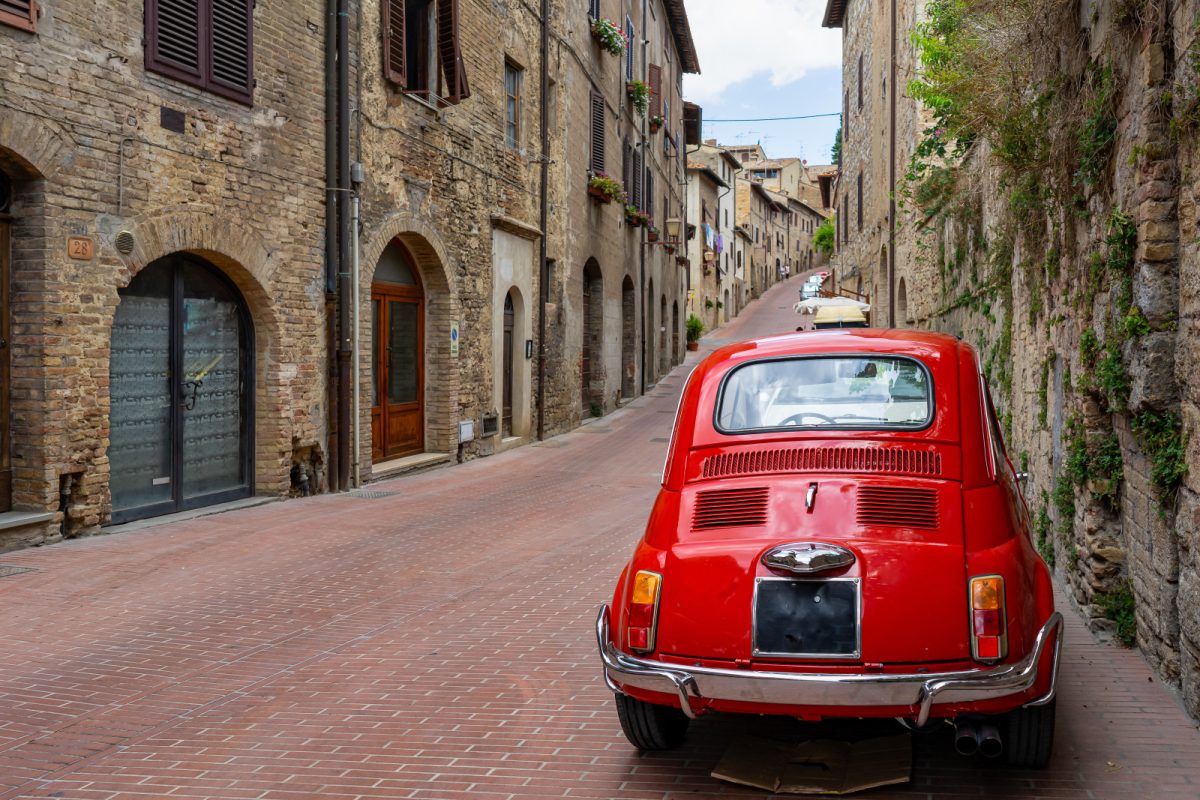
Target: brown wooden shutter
x=638 y=171
x=655 y=90
x=693 y=119
x=395 y=58
x=450 y=52
x=598 y=111
x=173 y=36
x=21 y=14
x=232 y=32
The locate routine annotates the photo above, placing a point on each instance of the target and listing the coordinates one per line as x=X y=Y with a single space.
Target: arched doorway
x=676 y=353
x=648 y=345
x=901 y=305
x=181 y=385
x=628 y=338
x=6 y=199
x=397 y=356
x=591 y=368
x=507 y=367
x=664 y=355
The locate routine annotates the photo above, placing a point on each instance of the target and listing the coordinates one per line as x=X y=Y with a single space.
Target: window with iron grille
x=594 y=9
x=205 y=43
x=419 y=36
x=21 y=14
x=512 y=104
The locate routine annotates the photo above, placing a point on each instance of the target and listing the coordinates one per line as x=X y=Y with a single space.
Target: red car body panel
x=914 y=608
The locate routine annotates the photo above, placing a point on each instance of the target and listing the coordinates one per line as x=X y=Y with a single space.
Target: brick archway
x=32 y=145
x=239 y=255
x=441 y=309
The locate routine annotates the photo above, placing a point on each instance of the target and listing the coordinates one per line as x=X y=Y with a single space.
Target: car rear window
x=858 y=392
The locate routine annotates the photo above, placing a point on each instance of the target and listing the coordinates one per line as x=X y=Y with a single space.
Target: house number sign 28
x=80 y=248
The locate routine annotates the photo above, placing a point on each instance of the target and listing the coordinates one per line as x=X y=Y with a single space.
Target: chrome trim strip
x=918 y=691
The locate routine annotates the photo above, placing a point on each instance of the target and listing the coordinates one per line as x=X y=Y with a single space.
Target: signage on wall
x=454 y=339
x=80 y=248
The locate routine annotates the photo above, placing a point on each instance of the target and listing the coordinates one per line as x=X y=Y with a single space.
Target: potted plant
x=605 y=189
x=639 y=94
x=656 y=122
x=695 y=327
x=669 y=248
x=635 y=218
x=651 y=232
x=609 y=36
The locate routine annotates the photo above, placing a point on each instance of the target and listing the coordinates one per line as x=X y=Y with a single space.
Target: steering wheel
x=798 y=419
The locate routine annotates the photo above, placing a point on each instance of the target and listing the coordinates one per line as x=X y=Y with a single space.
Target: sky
x=767 y=58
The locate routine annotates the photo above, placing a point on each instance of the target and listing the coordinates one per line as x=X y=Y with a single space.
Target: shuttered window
x=594 y=9
x=454 y=70
x=422 y=49
x=648 y=194
x=21 y=14
x=656 y=104
x=395 y=57
x=596 y=163
x=206 y=43
x=635 y=191
x=629 y=39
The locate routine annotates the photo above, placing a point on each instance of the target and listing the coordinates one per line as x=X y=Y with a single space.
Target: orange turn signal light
x=645 y=588
x=987 y=594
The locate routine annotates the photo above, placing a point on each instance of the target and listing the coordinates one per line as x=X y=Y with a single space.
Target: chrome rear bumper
x=920 y=692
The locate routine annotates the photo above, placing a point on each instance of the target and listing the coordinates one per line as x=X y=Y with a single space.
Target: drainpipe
x=543 y=221
x=891 y=276
x=356 y=354
x=345 y=378
x=647 y=305
x=331 y=212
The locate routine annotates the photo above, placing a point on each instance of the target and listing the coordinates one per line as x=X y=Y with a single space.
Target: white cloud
x=737 y=40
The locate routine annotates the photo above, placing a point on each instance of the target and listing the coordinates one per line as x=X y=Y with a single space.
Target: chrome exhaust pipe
x=966 y=737
x=990 y=743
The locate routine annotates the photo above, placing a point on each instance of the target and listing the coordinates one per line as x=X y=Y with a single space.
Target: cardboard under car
x=817 y=766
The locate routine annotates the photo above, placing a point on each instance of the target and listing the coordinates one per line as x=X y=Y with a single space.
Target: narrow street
x=431 y=637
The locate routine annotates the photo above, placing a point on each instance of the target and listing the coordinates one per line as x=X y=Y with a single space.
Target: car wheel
x=651 y=727
x=1030 y=736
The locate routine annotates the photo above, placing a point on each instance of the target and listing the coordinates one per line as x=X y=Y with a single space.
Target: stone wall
x=85 y=132
x=1085 y=308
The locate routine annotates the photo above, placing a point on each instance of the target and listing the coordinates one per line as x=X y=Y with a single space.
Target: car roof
x=902 y=341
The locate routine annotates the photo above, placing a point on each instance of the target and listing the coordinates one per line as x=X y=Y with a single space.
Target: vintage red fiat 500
x=839 y=534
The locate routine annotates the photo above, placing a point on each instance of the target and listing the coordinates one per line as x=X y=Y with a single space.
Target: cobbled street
x=432 y=637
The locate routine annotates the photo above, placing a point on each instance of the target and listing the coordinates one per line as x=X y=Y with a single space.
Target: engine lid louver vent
x=897 y=507
x=895 y=460
x=729 y=508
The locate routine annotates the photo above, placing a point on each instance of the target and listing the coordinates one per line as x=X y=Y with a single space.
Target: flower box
x=599 y=195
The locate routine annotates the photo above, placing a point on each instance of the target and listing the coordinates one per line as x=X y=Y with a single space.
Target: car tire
x=1029 y=738
x=651 y=727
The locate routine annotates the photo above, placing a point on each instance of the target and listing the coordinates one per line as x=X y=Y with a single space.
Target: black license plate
x=797 y=618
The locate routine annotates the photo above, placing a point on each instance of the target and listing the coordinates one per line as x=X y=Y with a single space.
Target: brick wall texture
x=82 y=137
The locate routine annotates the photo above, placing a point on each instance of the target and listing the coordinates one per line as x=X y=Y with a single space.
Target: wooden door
x=398 y=410
x=507 y=389
x=5 y=337
x=585 y=369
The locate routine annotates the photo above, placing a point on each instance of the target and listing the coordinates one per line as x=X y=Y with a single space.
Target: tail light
x=989 y=628
x=643 y=611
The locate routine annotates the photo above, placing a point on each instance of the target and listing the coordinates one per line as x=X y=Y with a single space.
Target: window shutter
x=21 y=14
x=450 y=52
x=648 y=195
x=395 y=59
x=655 y=90
x=629 y=38
x=232 y=26
x=638 y=171
x=627 y=167
x=173 y=36
x=597 y=160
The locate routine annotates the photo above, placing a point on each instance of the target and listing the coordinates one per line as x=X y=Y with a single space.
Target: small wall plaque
x=80 y=248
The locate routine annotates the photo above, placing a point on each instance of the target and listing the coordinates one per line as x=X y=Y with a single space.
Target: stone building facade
x=1081 y=299
x=723 y=168
x=166 y=337
x=160 y=242
x=705 y=268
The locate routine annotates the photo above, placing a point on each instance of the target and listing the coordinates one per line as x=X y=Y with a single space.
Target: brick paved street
x=434 y=640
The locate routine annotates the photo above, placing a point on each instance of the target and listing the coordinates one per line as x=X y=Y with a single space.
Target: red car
x=839 y=533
